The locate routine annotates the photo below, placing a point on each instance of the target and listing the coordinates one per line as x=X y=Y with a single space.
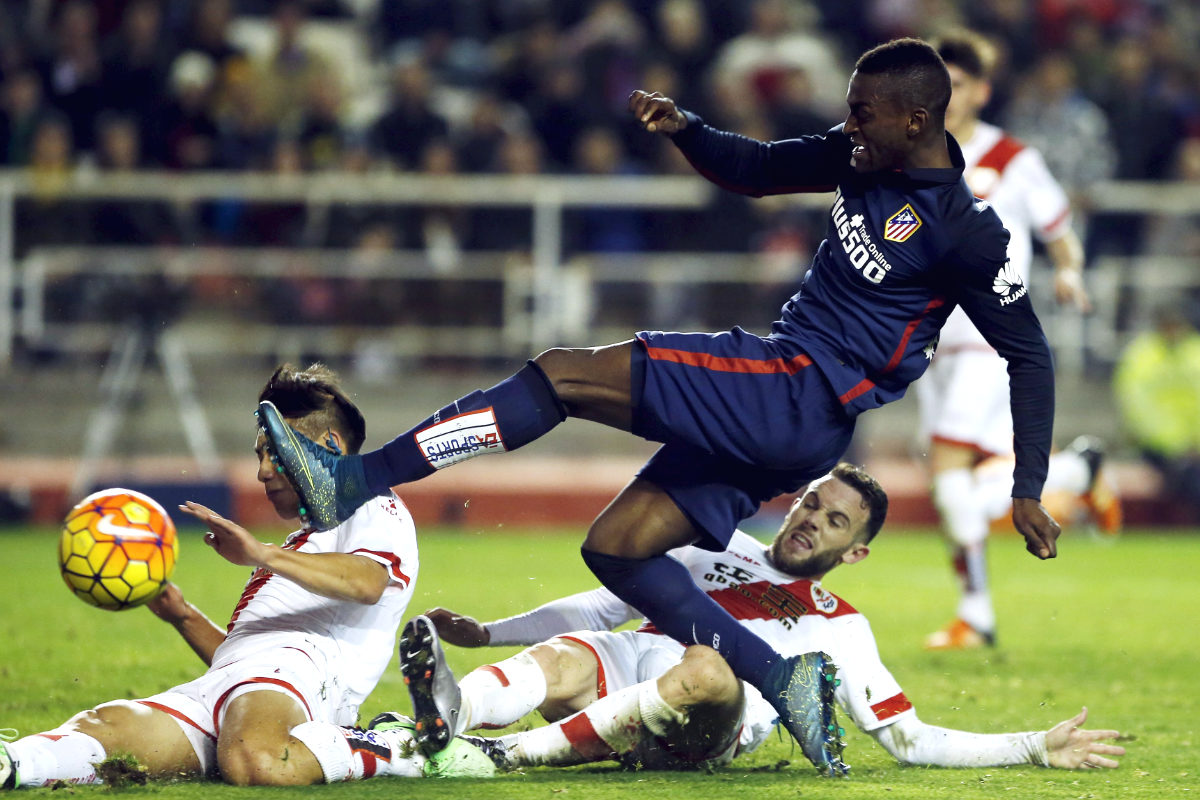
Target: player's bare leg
x=256 y=747
x=588 y=383
x=70 y=752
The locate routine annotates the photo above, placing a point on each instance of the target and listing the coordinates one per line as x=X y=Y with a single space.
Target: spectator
x=599 y=152
x=781 y=38
x=189 y=127
x=20 y=116
x=1157 y=385
x=1051 y=114
x=290 y=72
x=47 y=216
x=560 y=112
x=137 y=62
x=1179 y=234
x=410 y=123
x=121 y=221
x=1145 y=132
x=72 y=71
x=320 y=134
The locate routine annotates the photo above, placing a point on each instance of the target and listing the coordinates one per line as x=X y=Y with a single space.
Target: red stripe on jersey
x=260 y=578
x=889 y=708
x=859 y=389
x=499 y=673
x=54 y=737
x=1001 y=154
x=273 y=681
x=908 y=331
x=769 y=366
x=179 y=715
x=766 y=600
x=1059 y=220
x=601 y=679
x=392 y=559
x=584 y=739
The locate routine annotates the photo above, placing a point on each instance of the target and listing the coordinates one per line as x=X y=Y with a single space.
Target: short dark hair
x=918 y=72
x=314 y=396
x=874 y=498
x=969 y=51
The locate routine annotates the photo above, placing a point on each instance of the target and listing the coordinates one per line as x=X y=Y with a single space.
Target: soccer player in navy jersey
x=744 y=418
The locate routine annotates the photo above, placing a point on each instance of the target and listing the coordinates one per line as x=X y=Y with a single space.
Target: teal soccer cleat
x=331 y=486
x=801 y=690
x=460 y=759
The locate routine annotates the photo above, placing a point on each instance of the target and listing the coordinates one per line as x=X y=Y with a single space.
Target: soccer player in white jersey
x=306 y=643
x=643 y=698
x=963 y=397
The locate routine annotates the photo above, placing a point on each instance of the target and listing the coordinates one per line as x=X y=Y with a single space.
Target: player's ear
x=334 y=441
x=918 y=120
x=856 y=553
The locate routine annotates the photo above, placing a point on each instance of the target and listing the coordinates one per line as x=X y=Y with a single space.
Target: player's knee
x=570 y=677
x=243 y=764
x=703 y=677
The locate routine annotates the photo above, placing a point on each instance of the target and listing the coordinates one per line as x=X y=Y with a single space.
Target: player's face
x=818 y=533
x=279 y=491
x=968 y=96
x=877 y=125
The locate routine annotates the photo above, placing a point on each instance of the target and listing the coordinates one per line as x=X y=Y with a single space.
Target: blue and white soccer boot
x=331 y=486
x=801 y=690
x=9 y=779
x=436 y=698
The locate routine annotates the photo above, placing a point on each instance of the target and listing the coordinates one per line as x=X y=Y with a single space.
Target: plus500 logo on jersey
x=857 y=244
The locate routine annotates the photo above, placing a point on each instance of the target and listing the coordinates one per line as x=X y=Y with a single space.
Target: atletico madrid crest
x=901 y=225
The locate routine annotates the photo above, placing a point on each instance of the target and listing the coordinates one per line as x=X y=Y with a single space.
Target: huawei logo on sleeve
x=1008 y=284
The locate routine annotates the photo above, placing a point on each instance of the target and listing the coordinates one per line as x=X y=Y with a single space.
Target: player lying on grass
x=643 y=698
x=745 y=418
x=307 y=641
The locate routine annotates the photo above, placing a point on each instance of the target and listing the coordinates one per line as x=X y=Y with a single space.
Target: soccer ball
x=118 y=548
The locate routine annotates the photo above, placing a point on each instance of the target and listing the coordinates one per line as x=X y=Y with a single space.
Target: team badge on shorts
x=901 y=225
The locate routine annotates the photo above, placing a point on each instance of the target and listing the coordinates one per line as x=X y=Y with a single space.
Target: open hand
x=234 y=543
x=457 y=629
x=656 y=113
x=1070 y=747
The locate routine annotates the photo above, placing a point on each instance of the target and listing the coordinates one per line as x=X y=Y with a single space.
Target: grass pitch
x=1109 y=624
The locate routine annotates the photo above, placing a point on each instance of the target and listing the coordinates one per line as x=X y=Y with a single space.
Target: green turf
x=1108 y=624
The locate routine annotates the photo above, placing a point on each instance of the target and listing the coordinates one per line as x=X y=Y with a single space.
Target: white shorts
x=199 y=706
x=964 y=400
x=627 y=658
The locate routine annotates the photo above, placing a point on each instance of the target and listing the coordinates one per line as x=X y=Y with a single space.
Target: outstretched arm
x=201 y=633
x=597 y=610
x=341 y=576
x=1066 y=745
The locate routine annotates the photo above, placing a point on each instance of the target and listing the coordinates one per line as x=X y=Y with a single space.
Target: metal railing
x=543 y=299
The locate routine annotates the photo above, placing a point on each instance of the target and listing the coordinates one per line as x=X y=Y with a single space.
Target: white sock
x=975 y=605
x=1068 y=472
x=609 y=727
x=58 y=755
x=349 y=754
x=497 y=695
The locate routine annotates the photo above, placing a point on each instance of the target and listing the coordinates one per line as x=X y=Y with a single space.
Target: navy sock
x=512 y=413
x=662 y=589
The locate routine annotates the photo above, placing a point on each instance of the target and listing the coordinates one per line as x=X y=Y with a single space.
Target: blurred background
x=424 y=193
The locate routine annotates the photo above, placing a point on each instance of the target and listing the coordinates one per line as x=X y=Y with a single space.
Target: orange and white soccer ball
x=118 y=548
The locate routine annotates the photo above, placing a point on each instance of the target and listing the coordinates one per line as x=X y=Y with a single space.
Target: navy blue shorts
x=742 y=419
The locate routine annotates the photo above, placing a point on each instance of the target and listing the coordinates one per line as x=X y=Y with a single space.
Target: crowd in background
x=1105 y=88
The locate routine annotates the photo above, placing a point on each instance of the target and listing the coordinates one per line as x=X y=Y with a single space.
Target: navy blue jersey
x=902 y=249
